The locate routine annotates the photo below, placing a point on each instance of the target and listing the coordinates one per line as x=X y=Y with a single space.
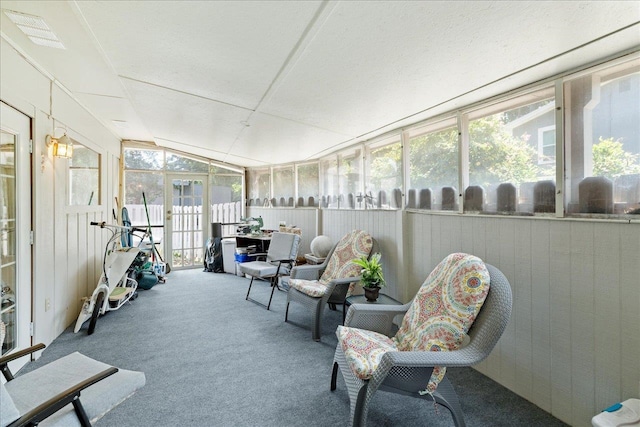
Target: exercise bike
x=115 y=287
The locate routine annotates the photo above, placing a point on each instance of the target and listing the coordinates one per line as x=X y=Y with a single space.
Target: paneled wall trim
x=572 y=344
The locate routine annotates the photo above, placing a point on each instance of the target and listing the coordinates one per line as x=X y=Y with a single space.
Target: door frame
x=24 y=209
x=168 y=219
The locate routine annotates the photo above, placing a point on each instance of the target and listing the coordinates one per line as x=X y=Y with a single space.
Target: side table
x=383 y=299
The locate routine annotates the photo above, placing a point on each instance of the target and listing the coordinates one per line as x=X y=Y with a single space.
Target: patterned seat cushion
x=444 y=309
x=438 y=320
x=313 y=288
x=352 y=245
x=363 y=349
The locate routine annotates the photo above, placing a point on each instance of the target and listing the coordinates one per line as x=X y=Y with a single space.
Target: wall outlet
x=47 y=304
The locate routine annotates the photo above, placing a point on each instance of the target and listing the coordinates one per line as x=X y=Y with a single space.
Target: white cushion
x=8 y=411
x=37 y=386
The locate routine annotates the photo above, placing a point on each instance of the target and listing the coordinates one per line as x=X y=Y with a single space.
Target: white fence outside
x=187 y=227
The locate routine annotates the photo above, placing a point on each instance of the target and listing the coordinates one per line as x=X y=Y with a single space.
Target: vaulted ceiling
x=271 y=82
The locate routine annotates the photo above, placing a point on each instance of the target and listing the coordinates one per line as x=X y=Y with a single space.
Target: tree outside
x=386 y=168
x=495 y=156
x=611 y=160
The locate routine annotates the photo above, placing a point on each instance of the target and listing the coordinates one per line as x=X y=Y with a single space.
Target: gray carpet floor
x=211 y=358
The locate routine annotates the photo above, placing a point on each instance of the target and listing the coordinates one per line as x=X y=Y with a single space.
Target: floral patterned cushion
x=313 y=288
x=354 y=244
x=363 y=349
x=444 y=309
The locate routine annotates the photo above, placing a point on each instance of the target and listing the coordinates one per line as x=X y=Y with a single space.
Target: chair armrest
x=306 y=272
x=53 y=405
x=346 y=280
x=374 y=317
x=4 y=360
x=259 y=255
x=287 y=260
x=18 y=354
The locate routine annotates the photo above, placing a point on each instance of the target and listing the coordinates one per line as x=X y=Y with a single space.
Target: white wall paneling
x=67 y=251
x=572 y=345
x=629 y=288
x=384 y=226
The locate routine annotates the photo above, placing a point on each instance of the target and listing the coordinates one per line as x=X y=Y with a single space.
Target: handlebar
x=103 y=224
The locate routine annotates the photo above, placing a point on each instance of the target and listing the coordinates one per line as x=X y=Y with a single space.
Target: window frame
x=386 y=141
x=541 y=146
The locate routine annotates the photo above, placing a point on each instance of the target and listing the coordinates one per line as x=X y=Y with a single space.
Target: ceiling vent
x=35 y=28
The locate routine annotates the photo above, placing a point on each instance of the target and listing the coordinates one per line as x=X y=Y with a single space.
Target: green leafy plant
x=372 y=276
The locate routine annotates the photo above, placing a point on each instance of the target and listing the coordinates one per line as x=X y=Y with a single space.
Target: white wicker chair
x=407 y=372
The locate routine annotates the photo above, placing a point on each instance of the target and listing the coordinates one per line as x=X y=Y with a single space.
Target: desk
x=360 y=299
x=261 y=242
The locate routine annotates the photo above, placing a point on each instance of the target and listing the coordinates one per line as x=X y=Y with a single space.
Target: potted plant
x=372 y=278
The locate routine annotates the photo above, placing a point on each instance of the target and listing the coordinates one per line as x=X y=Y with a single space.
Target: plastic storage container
x=228 y=255
x=625 y=413
x=241 y=256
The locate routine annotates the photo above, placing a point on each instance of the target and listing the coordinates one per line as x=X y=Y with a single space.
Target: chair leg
x=250 y=283
x=315 y=329
x=360 y=412
x=273 y=288
x=286 y=312
x=82 y=415
x=446 y=396
x=334 y=376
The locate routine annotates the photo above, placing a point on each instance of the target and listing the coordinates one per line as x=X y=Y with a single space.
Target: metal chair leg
x=334 y=376
x=250 y=283
x=274 y=285
x=82 y=415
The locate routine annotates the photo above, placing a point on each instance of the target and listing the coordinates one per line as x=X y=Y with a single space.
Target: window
x=259 y=186
x=329 y=182
x=143 y=159
x=501 y=156
x=225 y=195
x=179 y=163
x=350 y=175
x=546 y=145
x=308 y=178
x=384 y=178
x=143 y=173
x=283 y=186
x=433 y=166
x=504 y=167
x=84 y=176
x=602 y=149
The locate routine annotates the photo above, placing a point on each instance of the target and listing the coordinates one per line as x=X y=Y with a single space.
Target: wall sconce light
x=62 y=147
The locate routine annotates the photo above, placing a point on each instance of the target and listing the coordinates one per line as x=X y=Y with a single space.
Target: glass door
x=186 y=220
x=15 y=226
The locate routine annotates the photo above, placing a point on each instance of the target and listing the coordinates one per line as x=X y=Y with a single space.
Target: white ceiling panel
x=122 y=118
x=228 y=51
x=79 y=67
x=186 y=119
x=374 y=63
x=273 y=140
